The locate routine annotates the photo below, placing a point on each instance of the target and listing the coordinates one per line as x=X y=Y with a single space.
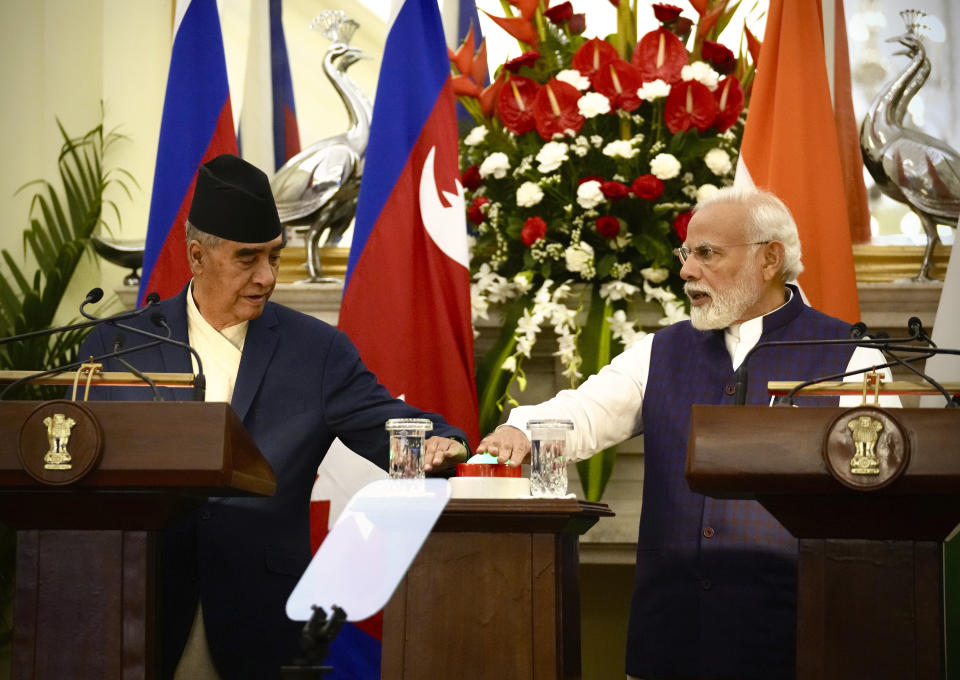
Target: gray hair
x=768 y=219
x=206 y=240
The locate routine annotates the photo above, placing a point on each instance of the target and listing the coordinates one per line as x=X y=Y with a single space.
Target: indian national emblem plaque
x=60 y=442
x=866 y=448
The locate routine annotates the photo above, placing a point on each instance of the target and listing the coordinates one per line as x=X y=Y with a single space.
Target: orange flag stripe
x=790 y=148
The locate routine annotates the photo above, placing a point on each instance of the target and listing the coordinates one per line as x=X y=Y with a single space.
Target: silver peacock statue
x=316 y=190
x=909 y=166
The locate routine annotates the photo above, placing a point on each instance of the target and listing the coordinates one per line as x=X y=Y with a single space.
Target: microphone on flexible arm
x=858 y=337
x=151 y=300
x=159 y=320
x=117 y=347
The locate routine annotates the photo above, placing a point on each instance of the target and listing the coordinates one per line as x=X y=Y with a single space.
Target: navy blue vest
x=715 y=591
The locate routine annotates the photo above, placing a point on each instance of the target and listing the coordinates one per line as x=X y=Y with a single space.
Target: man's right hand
x=507 y=443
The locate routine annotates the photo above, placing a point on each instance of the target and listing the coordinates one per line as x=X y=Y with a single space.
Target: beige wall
x=63 y=57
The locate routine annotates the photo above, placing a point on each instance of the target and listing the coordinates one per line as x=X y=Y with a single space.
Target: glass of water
x=548 y=457
x=407 y=439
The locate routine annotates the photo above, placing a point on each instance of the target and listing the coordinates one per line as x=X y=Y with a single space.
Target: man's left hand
x=442 y=452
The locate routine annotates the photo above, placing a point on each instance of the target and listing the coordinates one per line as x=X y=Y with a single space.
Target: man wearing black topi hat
x=297 y=383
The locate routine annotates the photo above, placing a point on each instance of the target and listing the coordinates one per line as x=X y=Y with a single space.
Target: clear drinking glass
x=407 y=439
x=548 y=460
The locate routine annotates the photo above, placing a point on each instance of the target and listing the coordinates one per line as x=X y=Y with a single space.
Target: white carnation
x=573 y=77
x=495 y=165
x=702 y=72
x=589 y=194
x=593 y=104
x=551 y=156
x=705 y=191
x=655 y=89
x=663 y=166
x=476 y=135
x=621 y=148
x=579 y=258
x=529 y=194
x=719 y=162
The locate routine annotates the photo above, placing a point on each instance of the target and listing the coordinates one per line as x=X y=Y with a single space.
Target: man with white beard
x=715 y=587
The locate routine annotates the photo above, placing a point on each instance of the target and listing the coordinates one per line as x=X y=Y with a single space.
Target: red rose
x=534 y=229
x=515 y=102
x=592 y=55
x=680 y=224
x=555 y=109
x=681 y=28
x=660 y=54
x=648 y=187
x=577 y=23
x=559 y=13
x=525 y=59
x=689 y=104
x=474 y=212
x=614 y=190
x=665 y=12
x=608 y=227
x=619 y=81
x=720 y=56
x=471 y=178
x=729 y=96
x=590 y=178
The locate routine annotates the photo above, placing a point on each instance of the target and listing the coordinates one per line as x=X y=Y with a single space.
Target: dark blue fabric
x=301 y=383
x=722 y=606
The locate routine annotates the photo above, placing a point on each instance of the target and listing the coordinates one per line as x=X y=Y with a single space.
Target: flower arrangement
x=585 y=161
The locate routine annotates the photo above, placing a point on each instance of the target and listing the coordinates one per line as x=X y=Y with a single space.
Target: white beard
x=725 y=307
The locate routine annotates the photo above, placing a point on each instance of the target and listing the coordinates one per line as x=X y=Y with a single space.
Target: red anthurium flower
x=753 y=44
x=533 y=230
x=648 y=187
x=729 y=96
x=680 y=224
x=608 y=227
x=527 y=7
x=488 y=98
x=526 y=59
x=665 y=12
x=470 y=178
x=689 y=104
x=720 y=56
x=474 y=212
x=577 y=23
x=619 y=81
x=660 y=54
x=614 y=190
x=590 y=178
x=464 y=86
x=592 y=55
x=515 y=103
x=555 y=109
x=559 y=13
x=520 y=28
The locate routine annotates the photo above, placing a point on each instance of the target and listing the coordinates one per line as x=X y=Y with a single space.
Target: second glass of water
x=407 y=439
x=548 y=457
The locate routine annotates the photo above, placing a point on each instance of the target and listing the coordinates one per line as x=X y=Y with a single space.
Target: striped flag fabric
x=406 y=301
x=797 y=144
x=197 y=125
x=268 y=118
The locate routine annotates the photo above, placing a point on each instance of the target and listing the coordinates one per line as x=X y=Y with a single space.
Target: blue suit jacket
x=300 y=384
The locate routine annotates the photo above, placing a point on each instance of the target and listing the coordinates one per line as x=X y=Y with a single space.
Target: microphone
x=857 y=337
x=117 y=346
x=152 y=300
x=158 y=319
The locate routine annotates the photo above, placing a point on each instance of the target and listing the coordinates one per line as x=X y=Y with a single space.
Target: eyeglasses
x=705 y=252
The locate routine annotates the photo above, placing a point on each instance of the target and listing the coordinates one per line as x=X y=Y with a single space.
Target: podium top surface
x=196 y=447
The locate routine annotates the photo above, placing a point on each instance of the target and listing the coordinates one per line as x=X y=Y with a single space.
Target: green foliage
x=61 y=222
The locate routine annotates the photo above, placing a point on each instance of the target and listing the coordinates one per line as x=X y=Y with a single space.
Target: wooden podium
x=870 y=600
x=493 y=594
x=86 y=572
